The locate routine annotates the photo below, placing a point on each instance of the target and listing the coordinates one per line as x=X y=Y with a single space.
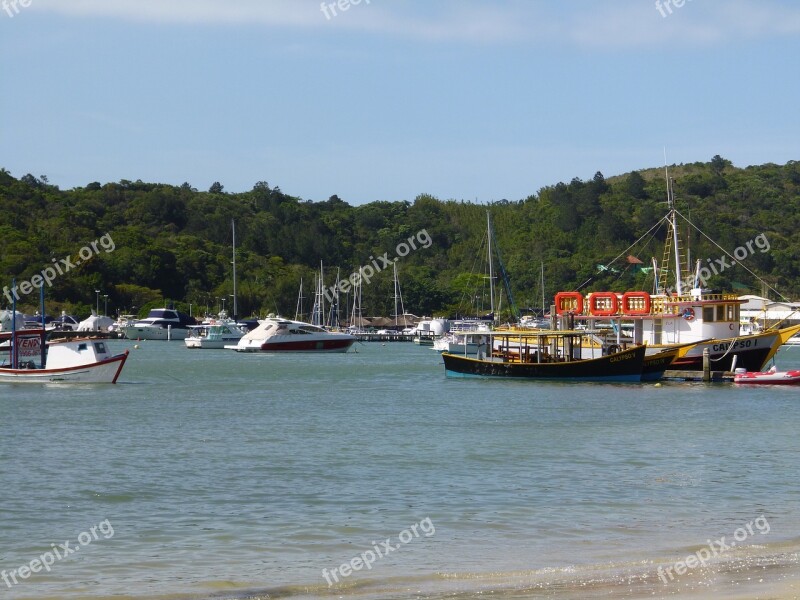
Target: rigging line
x=730 y=347
x=611 y=262
x=786 y=318
x=461 y=302
x=726 y=253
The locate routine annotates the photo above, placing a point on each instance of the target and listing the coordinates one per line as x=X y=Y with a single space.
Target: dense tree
x=174 y=242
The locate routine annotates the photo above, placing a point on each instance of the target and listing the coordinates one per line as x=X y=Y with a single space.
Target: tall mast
x=491 y=268
x=235 y=306
x=395 y=293
x=298 y=311
x=674 y=225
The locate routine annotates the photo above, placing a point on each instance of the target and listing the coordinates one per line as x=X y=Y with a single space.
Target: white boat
x=276 y=334
x=75 y=361
x=464 y=337
x=428 y=331
x=160 y=324
x=215 y=335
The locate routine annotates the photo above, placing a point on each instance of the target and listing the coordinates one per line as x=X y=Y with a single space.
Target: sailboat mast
x=491 y=268
x=321 y=298
x=298 y=311
x=395 y=293
x=235 y=306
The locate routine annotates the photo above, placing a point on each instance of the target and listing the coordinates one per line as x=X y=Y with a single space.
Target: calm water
x=233 y=476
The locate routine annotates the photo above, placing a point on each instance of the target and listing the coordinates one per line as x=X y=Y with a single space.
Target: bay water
x=214 y=474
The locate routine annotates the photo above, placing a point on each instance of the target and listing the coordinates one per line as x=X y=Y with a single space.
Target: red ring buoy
x=603 y=304
x=569 y=302
x=636 y=303
x=688 y=314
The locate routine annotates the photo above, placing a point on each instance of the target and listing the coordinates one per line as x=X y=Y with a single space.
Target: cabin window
x=720 y=312
x=708 y=314
x=732 y=313
x=100 y=347
x=81 y=347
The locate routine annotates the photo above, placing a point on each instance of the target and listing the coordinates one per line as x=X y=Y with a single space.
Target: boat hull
x=654 y=365
x=206 y=344
x=752 y=352
x=304 y=346
x=104 y=371
x=769 y=378
x=624 y=366
x=155 y=333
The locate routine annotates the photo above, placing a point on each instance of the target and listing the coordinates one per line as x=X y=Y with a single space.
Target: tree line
x=173 y=243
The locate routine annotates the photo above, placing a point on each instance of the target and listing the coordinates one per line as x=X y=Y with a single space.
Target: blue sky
x=392 y=98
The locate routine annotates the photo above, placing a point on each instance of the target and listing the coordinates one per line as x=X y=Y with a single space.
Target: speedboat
x=160 y=324
x=276 y=334
x=771 y=377
x=213 y=335
x=83 y=360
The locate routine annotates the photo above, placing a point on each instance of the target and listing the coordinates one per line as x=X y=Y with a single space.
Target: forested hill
x=174 y=243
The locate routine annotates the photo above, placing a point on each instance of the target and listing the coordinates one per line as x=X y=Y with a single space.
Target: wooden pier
x=713 y=376
x=385 y=337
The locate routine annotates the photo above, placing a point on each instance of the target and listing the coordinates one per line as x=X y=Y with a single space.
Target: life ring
x=569 y=302
x=636 y=303
x=688 y=314
x=603 y=304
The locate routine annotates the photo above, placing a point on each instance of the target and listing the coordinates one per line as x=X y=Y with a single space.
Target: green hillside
x=174 y=243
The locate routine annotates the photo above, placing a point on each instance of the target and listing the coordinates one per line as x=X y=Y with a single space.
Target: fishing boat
x=276 y=334
x=685 y=314
x=31 y=359
x=771 y=377
x=550 y=356
x=83 y=360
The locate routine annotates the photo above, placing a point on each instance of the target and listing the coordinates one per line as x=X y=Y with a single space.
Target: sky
x=389 y=99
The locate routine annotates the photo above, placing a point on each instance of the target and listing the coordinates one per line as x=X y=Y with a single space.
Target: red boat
x=771 y=377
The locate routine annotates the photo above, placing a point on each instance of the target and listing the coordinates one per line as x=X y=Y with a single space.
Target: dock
x=68 y=335
x=385 y=337
x=713 y=376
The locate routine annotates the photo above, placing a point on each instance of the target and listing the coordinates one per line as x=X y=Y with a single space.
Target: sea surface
x=212 y=474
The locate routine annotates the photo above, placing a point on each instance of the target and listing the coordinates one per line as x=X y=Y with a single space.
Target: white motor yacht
x=276 y=334
x=160 y=324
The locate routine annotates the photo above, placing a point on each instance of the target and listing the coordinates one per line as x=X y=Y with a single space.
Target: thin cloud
x=582 y=23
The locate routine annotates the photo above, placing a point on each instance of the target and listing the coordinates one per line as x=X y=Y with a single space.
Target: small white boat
x=464 y=337
x=66 y=361
x=276 y=334
x=771 y=377
x=213 y=336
